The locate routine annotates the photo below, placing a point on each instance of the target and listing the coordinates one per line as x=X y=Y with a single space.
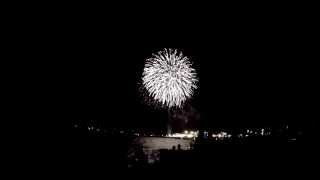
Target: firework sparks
x=169 y=78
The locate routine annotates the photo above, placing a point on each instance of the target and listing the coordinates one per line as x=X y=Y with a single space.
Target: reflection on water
x=149 y=147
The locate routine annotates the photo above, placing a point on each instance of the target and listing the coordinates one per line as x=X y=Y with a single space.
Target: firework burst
x=169 y=78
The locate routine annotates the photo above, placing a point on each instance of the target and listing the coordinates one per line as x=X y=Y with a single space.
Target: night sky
x=250 y=76
x=248 y=85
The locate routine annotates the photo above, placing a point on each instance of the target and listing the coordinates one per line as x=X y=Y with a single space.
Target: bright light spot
x=185 y=134
x=189 y=136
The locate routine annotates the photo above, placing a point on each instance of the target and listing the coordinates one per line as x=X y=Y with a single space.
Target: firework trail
x=169 y=78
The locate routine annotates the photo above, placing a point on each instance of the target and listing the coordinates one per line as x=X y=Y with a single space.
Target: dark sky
x=240 y=85
x=249 y=75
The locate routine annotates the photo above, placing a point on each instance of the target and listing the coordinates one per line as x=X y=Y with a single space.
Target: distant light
x=189 y=136
x=223 y=133
x=293 y=139
x=186 y=132
x=182 y=135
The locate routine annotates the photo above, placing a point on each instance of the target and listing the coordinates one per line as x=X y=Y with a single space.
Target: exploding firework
x=169 y=78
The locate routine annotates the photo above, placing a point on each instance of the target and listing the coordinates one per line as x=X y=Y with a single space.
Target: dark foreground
x=264 y=155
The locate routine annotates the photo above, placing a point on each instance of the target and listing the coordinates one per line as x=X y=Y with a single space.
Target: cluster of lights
x=91 y=128
x=221 y=135
x=185 y=134
x=257 y=132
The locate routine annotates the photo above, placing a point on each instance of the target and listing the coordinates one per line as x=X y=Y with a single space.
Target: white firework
x=169 y=78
